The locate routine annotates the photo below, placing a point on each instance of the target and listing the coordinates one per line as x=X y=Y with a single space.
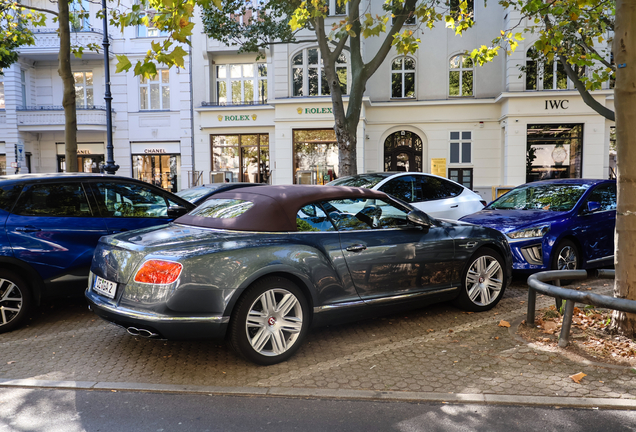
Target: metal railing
x=537 y=283
x=60 y=108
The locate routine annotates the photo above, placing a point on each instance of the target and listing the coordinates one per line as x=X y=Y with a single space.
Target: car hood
x=512 y=220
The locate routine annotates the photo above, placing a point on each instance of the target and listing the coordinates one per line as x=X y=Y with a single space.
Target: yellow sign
x=438 y=166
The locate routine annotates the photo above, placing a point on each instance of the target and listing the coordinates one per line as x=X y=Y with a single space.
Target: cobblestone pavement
x=438 y=349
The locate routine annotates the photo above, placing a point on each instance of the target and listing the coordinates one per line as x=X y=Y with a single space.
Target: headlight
x=530 y=232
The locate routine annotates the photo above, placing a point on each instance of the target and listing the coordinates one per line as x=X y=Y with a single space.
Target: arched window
x=403 y=78
x=461 y=76
x=308 y=74
x=544 y=76
x=403 y=152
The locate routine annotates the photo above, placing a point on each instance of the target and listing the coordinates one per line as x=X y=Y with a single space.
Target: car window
x=434 y=188
x=222 y=208
x=545 y=197
x=53 y=199
x=364 y=214
x=312 y=218
x=605 y=195
x=362 y=180
x=8 y=195
x=195 y=193
x=130 y=200
x=407 y=188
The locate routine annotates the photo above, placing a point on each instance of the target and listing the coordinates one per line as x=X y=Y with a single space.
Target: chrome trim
x=150 y=316
x=471 y=244
x=600 y=259
x=381 y=300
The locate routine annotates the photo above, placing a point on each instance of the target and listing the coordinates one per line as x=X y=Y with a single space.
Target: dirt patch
x=589 y=335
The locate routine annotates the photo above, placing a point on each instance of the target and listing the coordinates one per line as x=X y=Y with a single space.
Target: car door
x=129 y=205
x=595 y=230
x=55 y=227
x=386 y=255
x=440 y=198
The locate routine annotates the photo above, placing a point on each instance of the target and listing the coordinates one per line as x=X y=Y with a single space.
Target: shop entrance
x=315 y=156
x=159 y=170
x=403 y=152
x=85 y=163
x=240 y=158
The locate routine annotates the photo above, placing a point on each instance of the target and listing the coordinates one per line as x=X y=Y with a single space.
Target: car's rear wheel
x=483 y=281
x=270 y=322
x=15 y=301
x=566 y=256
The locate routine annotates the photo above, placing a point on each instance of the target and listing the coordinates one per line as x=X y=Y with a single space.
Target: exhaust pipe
x=141 y=332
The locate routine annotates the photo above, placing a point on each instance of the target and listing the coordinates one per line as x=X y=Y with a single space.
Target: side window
x=364 y=214
x=8 y=195
x=56 y=200
x=129 y=200
x=405 y=188
x=605 y=195
x=312 y=218
x=434 y=188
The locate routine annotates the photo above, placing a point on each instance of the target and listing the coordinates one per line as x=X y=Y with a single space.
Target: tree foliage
x=576 y=33
x=14 y=30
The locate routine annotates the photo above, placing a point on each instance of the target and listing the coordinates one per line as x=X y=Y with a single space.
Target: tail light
x=158 y=272
x=484 y=203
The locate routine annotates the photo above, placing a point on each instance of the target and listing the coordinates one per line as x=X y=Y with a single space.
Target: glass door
x=159 y=170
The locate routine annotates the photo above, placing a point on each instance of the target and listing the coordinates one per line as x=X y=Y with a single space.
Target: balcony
x=47 y=44
x=51 y=118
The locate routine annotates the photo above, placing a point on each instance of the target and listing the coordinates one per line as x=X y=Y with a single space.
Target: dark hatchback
x=51 y=224
x=562 y=224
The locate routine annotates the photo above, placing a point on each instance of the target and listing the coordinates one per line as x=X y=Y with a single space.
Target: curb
x=366 y=395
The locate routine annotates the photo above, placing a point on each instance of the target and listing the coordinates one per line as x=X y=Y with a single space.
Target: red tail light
x=158 y=272
x=484 y=203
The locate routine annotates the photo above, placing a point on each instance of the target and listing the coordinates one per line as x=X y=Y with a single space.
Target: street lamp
x=110 y=166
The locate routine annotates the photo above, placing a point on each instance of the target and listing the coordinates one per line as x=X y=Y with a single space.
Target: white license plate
x=105 y=287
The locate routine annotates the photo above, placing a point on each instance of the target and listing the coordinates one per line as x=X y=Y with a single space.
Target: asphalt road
x=92 y=411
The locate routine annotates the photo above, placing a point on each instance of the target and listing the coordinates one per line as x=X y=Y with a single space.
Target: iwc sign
x=557 y=104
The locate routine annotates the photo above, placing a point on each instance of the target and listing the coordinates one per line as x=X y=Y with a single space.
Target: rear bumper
x=165 y=326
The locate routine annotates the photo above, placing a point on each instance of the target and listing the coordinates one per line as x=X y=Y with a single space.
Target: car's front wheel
x=566 y=256
x=15 y=301
x=483 y=281
x=270 y=322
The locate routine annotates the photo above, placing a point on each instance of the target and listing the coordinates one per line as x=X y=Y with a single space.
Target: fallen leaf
x=10 y=362
x=503 y=323
x=549 y=326
x=496 y=337
x=450 y=330
x=430 y=330
x=578 y=377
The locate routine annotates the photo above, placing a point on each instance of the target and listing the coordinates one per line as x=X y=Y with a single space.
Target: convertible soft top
x=275 y=207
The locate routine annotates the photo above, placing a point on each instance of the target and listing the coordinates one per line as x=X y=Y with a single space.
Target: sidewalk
x=434 y=354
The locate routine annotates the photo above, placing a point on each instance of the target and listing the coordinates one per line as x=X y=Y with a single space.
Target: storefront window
x=315 y=156
x=554 y=151
x=3 y=164
x=161 y=170
x=85 y=163
x=241 y=158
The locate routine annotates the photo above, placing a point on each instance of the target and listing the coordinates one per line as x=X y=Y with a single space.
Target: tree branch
x=587 y=97
x=21 y=6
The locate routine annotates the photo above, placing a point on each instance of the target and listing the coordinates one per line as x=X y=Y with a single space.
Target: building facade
x=231 y=117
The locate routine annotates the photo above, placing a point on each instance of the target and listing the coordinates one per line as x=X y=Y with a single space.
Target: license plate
x=105 y=287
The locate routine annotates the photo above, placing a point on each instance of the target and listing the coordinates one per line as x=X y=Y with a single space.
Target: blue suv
x=50 y=225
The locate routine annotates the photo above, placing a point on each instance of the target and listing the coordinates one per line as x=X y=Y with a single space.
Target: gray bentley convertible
x=261 y=265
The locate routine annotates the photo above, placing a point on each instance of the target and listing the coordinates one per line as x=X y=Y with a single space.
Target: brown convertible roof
x=275 y=207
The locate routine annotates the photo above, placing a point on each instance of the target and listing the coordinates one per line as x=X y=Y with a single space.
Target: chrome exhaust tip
x=141 y=332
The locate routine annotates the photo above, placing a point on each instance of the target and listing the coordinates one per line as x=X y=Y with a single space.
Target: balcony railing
x=232 y=104
x=47 y=42
x=47 y=117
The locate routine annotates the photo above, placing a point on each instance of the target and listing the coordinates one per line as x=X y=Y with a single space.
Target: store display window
x=315 y=156
x=240 y=158
x=554 y=151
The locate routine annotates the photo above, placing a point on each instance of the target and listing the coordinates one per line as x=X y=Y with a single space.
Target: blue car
x=50 y=225
x=555 y=224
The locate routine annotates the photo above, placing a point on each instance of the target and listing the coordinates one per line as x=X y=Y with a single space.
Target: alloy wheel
x=274 y=322
x=10 y=301
x=484 y=280
x=567 y=259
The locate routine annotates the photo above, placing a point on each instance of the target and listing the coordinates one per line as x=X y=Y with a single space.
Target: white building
x=270 y=120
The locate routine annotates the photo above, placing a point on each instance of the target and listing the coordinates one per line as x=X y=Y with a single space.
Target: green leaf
x=123 y=64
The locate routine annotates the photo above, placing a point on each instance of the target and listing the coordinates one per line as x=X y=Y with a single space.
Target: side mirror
x=176 y=211
x=419 y=218
x=592 y=206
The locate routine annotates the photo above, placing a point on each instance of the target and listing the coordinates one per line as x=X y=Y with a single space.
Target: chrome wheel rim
x=567 y=259
x=274 y=322
x=10 y=301
x=484 y=280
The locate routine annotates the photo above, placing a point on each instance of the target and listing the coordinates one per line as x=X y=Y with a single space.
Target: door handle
x=28 y=229
x=468 y=245
x=356 y=248
x=455 y=206
x=115 y=231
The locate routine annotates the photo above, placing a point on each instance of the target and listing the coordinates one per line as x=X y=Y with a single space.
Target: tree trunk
x=625 y=105
x=68 y=101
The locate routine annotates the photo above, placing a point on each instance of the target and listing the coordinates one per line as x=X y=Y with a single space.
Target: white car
x=434 y=195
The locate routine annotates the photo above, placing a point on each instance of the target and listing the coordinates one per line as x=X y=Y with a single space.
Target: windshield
x=195 y=193
x=546 y=197
x=364 y=180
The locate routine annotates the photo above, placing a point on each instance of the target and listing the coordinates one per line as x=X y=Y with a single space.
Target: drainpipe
x=191 y=111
